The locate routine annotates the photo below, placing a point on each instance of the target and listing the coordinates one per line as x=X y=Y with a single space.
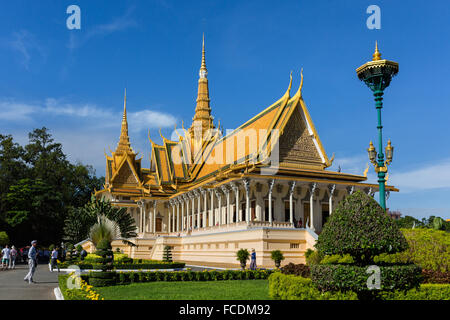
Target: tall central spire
x=124 y=140
x=202 y=118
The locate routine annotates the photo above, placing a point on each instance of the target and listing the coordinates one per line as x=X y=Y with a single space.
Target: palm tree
x=104 y=229
x=80 y=221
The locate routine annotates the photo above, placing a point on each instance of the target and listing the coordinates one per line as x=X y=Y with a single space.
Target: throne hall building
x=263 y=186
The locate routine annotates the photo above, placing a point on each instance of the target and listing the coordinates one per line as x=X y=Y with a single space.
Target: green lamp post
x=377 y=75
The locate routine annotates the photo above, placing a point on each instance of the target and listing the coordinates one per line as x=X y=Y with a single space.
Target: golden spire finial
x=377 y=55
x=124 y=117
x=203 y=70
x=124 y=140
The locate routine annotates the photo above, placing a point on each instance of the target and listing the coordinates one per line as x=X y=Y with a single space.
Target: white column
x=311 y=206
x=205 y=207
x=186 y=213
x=219 y=209
x=154 y=216
x=291 y=204
x=198 y=195
x=140 y=218
x=247 y=200
x=211 y=220
x=169 y=224
x=228 y=212
x=236 y=199
x=271 y=184
x=193 y=211
x=178 y=214
x=145 y=215
x=330 y=200
x=182 y=213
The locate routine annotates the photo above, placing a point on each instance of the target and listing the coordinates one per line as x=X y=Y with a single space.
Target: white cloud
x=145 y=119
x=14 y=111
x=25 y=44
x=423 y=177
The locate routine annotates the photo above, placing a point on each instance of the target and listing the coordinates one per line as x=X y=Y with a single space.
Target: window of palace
x=253 y=210
x=306 y=209
x=325 y=212
x=266 y=209
x=287 y=210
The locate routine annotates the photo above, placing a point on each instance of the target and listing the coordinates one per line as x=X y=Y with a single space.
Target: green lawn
x=189 y=290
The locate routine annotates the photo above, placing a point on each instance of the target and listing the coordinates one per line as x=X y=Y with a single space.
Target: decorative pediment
x=126 y=176
x=296 y=144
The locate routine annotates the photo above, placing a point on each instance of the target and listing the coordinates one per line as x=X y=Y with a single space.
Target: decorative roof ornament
x=124 y=140
x=202 y=119
x=377 y=55
x=203 y=71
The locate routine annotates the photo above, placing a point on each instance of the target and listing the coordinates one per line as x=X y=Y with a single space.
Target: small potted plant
x=242 y=256
x=277 y=257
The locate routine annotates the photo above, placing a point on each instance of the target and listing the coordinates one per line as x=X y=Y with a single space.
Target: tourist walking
x=32 y=252
x=5 y=257
x=13 y=256
x=54 y=259
x=253 y=260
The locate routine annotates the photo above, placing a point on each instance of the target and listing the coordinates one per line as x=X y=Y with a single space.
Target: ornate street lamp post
x=377 y=75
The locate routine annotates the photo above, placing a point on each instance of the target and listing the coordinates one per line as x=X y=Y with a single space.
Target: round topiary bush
x=360 y=228
x=105 y=277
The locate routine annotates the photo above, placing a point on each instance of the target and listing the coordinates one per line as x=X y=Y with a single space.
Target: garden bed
x=291 y=287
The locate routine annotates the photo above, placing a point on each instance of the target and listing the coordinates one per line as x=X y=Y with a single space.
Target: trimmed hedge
x=427 y=247
x=123 y=278
x=354 y=278
x=290 y=287
x=425 y=292
x=296 y=269
x=127 y=266
x=132 y=277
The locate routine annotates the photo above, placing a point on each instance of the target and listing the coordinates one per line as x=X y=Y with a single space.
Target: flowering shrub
x=85 y=292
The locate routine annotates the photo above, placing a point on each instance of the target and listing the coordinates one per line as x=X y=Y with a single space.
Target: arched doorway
x=158 y=223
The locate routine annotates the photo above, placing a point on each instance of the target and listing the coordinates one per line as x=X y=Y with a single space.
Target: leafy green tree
x=39 y=186
x=12 y=168
x=361 y=228
x=4 y=239
x=34 y=210
x=408 y=222
x=242 y=256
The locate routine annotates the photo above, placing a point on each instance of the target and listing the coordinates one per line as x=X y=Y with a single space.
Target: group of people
x=9 y=257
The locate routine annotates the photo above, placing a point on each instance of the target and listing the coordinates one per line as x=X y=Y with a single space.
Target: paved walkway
x=12 y=286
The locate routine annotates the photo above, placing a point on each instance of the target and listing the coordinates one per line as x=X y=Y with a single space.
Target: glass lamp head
x=372 y=152
x=389 y=152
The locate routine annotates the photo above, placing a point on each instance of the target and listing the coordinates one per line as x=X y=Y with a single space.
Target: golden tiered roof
x=178 y=166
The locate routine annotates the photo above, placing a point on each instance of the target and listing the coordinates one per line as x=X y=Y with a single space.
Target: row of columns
x=147 y=224
x=185 y=215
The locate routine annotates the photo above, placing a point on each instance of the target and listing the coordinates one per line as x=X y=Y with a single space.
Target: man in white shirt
x=5 y=257
x=31 y=262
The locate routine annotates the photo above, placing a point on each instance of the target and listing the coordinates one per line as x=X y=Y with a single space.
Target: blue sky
x=72 y=81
